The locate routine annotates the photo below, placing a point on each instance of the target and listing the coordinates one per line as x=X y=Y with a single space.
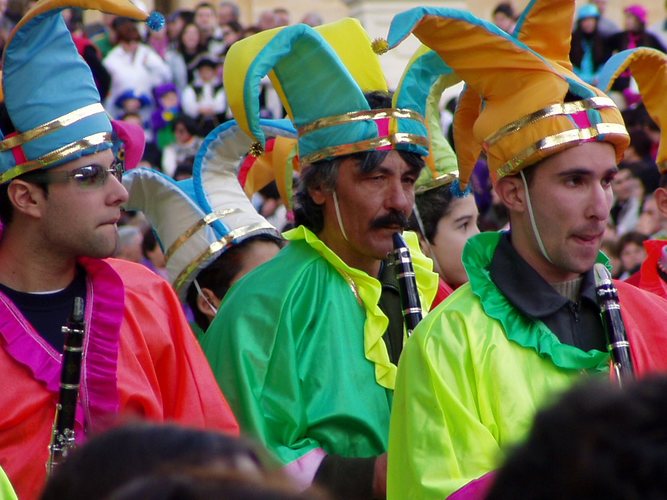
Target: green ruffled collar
x=534 y=335
x=367 y=290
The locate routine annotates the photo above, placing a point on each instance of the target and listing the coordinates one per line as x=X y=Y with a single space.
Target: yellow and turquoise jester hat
x=424 y=79
x=322 y=89
x=531 y=103
x=49 y=91
x=649 y=69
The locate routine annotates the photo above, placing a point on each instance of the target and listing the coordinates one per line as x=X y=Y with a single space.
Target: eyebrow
x=586 y=171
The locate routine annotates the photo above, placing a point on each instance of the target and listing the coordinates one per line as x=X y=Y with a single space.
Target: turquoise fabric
x=44 y=77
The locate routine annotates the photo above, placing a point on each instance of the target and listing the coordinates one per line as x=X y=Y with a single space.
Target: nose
x=399 y=197
x=600 y=201
x=117 y=194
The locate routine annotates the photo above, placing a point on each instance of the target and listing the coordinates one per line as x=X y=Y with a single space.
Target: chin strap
x=536 y=232
x=203 y=296
x=427 y=244
x=340 y=219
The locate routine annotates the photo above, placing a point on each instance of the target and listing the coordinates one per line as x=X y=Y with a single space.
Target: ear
x=425 y=247
x=204 y=306
x=318 y=194
x=510 y=191
x=660 y=196
x=26 y=197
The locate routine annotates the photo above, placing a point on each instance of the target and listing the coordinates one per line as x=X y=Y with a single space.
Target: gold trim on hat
x=566 y=108
x=51 y=126
x=215 y=247
x=207 y=220
x=368 y=145
x=566 y=137
x=55 y=156
x=441 y=180
x=356 y=116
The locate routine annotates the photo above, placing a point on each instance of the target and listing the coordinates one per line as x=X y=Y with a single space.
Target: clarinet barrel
x=610 y=311
x=63 y=436
x=407 y=284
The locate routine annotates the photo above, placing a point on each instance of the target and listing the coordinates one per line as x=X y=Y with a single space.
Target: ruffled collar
x=367 y=290
x=535 y=335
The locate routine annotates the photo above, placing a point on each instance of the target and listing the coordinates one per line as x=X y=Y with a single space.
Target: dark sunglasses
x=88 y=176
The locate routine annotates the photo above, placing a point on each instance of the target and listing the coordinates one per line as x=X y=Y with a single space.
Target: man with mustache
x=527 y=325
x=308 y=342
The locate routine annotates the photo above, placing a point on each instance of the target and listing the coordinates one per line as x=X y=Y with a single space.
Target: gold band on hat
x=215 y=247
x=441 y=180
x=51 y=126
x=552 y=141
x=566 y=108
x=55 y=156
x=357 y=116
x=368 y=145
x=207 y=220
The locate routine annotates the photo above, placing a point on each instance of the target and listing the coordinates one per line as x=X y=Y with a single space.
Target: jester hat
x=321 y=85
x=49 y=91
x=197 y=219
x=424 y=79
x=277 y=163
x=532 y=104
x=649 y=69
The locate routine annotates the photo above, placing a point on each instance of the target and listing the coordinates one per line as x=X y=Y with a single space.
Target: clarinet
x=610 y=311
x=62 y=435
x=407 y=284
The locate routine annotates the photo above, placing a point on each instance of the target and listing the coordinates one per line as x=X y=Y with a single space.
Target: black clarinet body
x=610 y=310
x=407 y=284
x=63 y=435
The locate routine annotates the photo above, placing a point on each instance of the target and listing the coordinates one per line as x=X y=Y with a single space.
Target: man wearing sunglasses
x=60 y=202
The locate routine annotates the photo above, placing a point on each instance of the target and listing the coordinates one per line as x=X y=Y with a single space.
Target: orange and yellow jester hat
x=649 y=69
x=322 y=92
x=49 y=91
x=532 y=104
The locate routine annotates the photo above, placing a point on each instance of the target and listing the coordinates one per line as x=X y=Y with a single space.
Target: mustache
x=392 y=219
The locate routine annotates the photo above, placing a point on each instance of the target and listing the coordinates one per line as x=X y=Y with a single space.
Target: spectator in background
x=281 y=16
x=133 y=65
x=504 y=17
x=228 y=12
x=184 y=147
x=627 y=200
x=206 y=19
x=153 y=256
x=312 y=19
x=189 y=46
x=588 y=51
x=167 y=109
x=631 y=252
x=638 y=159
x=606 y=26
x=205 y=100
x=266 y=20
x=634 y=35
x=176 y=21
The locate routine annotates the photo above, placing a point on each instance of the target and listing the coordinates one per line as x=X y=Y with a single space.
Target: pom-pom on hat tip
x=155 y=21
x=380 y=46
x=460 y=190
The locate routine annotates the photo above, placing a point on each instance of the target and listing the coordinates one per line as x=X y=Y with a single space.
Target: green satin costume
x=297 y=348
